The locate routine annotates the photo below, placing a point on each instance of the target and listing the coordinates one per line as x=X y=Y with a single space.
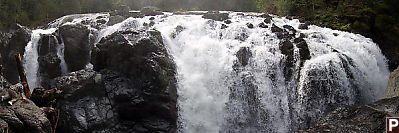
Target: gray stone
x=393 y=86
x=77 y=46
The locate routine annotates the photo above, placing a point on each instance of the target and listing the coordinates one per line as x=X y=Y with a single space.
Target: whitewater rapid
x=217 y=95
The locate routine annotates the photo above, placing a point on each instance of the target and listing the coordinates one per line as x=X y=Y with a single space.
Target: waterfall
x=218 y=94
x=60 y=54
x=234 y=77
x=30 y=62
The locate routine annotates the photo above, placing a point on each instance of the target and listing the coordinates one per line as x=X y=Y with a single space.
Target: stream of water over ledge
x=248 y=75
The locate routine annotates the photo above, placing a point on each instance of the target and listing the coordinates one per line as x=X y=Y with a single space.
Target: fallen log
x=22 y=75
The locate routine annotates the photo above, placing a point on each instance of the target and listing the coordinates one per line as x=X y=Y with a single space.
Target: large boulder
x=49 y=61
x=20 y=115
x=393 y=86
x=355 y=118
x=77 y=46
x=133 y=87
x=10 y=42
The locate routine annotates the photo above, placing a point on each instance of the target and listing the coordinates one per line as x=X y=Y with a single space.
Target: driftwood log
x=22 y=75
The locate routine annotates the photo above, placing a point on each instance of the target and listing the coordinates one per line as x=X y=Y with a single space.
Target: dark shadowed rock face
x=366 y=118
x=11 y=42
x=77 y=46
x=243 y=56
x=133 y=87
x=22 y=115
x=49 y=62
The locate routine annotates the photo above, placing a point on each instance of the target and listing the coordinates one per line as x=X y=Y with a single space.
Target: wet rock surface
x=21 y=115
x=13 y=41
x=77 y=46
x=49 y=61
x=133 y=87
x=366 y=118
x=393 y=86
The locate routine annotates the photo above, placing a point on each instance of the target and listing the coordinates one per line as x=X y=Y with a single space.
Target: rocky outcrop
x=133 y=87
x=243 y=55
x=393 y=86
x=13 y=41
x=215 y=15
x=49 y=62
x=77 y=46
x=366 y=118
x=21 y=115
x=268 y=18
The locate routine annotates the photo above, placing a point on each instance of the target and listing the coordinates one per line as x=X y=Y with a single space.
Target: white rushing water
x=219 y=94
x=31 y=64
x=213 y=97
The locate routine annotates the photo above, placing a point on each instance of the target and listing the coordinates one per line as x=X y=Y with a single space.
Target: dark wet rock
x=115 y=19
x=393 y=86
x=48 y=44
x=224 y=26
x=284 y=35
x=152 y=18
x=304 y=52
x=49 y=62
x=290 y=28
x=263 y=25
x=45 y=98
x=335 y=34
x=304 y=26
x=227 y=22
x=287 y=49
x=49 y=68
x=77 y=46
x=268 y=18
x=355 y=118
x=10 y=42
x=301 y=36
x=150 y=11
x=249 y=25
x=152 y=23
x=276 y=29
x=101 y=21
x=132 y=90
x=243 y=56
x=178 y=29
x=216 y=16
x=21 y=115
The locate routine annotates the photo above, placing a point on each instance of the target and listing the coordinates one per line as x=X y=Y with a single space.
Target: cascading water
x=31 y=64
x=241 y=78
x=219 y=92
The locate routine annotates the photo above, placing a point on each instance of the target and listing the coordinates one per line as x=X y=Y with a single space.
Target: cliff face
x=393 y=86
x=366 y=118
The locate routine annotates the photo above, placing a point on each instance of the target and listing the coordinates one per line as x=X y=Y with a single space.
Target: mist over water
x=218 y=92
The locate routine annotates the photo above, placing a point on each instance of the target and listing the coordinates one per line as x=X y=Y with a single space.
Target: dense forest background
x=378 y=19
